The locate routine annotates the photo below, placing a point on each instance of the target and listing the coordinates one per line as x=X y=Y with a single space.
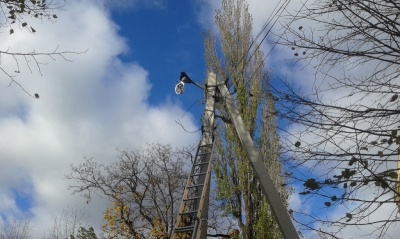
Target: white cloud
x=87 y=107
x=386 y=210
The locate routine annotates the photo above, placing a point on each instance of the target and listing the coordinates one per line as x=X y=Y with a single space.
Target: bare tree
x=84 y=233
x=68 y=223
x=145 y=188
x=348 y=137
x=17 y=14
x=15 y=229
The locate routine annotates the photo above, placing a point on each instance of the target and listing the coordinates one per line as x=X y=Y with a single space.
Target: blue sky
x=119 y=94
x=164 y=40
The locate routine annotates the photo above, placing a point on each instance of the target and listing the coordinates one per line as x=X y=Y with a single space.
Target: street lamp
x=179 y=88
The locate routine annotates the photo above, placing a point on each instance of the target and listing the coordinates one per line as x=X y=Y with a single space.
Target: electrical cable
x=267 y=23
x=262 y=62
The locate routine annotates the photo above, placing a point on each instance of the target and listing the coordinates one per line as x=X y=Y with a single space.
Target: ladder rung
x=198 y=174
x=189 y=199
x=202 y=154
x=206 y=145
x=184 y=229
x=185 y=213
x=196 y=186
x=197 y=164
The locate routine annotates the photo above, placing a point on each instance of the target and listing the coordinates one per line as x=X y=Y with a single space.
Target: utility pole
x=285 y=223
x=207 y=139
x=193 y=213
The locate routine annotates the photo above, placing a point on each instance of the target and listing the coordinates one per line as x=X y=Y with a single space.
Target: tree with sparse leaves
x=241 y=64
x=144 y=188
x=84 y=233
x=18 y=14
x=67 y=224
x=15 y=229
x=348 y=126
x=70 y=224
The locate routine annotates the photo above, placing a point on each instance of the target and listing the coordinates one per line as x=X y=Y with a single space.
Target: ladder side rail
x=202 y=214
x=397 y=190
x=194 y=188
x=185 y=194
x=204 y=159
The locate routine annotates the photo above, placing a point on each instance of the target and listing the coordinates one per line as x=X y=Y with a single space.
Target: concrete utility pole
x=285 y=223
x=208 y=139
x=193 y=213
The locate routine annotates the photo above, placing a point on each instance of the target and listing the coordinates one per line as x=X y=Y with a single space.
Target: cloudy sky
x=119 y=93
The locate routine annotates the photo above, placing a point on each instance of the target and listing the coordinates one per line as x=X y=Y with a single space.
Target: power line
x=276 y=42
x=266 y=34
x=266 y=24
x=273 y=15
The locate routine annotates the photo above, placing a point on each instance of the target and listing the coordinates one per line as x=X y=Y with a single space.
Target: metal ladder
x=194 y=205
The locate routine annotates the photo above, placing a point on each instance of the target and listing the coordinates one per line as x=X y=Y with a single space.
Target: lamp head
x=179 y=88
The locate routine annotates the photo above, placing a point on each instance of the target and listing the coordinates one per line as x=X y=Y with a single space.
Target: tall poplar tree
x=241 y=63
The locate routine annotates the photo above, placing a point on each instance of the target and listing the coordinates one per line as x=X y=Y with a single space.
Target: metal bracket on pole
x=285 y=223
